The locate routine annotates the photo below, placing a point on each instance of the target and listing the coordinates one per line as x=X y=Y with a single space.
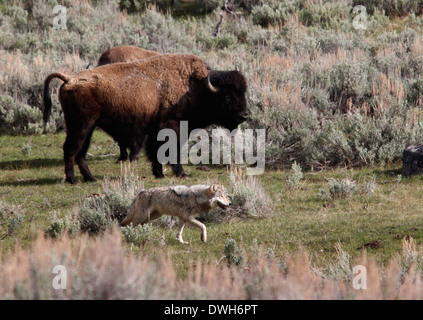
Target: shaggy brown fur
x=141 y=98
x=127 y=54
x=124 y=54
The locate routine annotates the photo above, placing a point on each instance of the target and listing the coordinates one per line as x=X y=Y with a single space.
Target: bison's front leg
x=123 y=153
x=177 y=168
x=151 y=148
x=134 y=155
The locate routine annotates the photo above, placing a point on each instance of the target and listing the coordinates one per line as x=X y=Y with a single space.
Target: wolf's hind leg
x=198 y=224
x=181 y=225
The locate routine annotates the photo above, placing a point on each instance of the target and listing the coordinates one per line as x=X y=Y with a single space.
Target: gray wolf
x=184 y=202
x=140 y=98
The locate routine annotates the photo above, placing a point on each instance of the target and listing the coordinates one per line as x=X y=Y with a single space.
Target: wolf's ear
x=213 y=188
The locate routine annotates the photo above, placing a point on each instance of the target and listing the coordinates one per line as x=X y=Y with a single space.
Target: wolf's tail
x=128 y=219
x=47 y=97
x=131 y=211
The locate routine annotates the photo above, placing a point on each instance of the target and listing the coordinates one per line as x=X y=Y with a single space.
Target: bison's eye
x=227 y=102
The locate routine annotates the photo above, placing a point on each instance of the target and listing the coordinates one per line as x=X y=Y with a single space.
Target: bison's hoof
x=71 y=180
x=158 y=175
x=182 y=175
x=90 y=179
x=134 y=158
x=120 y=160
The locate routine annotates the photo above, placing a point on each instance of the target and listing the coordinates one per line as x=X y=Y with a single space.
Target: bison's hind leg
x=74 y=149
x=82 y=162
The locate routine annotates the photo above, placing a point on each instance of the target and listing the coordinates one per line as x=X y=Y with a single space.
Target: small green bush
x=349 y=83
x=11 y=218
x=138 y=235
x=273 y=12
x=415 y=92
x=249 y=197
x=20 y=118
x=100 y=212
x=345 y=188
x=294 y=177
x=60 y=225
x=233 y=253
x=94 y=216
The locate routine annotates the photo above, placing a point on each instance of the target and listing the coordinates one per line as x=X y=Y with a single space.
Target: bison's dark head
x=227 y=98
x=412 y=161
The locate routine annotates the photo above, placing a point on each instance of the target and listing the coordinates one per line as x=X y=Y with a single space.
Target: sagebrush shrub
x=11 y=217
x=94 y=215
x=392 y=8
x=249 y=197
x=273 y=12
x=100 y=212
x=233 y=252
x=18 y=117
x=349 y=83
x=294 y=176
x=341 y=189
x=345 y=188
x=58 y=226
x=138 y=235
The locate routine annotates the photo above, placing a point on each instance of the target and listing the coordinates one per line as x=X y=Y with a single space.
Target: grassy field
x=31 y=178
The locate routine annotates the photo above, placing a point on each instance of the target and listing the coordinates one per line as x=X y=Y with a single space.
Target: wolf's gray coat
x=184 y=202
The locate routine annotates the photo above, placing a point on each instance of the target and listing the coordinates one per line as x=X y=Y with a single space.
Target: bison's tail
x=47 y=97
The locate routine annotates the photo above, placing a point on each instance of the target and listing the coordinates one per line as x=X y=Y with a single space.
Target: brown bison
x=141 y=98
x=127 y=54
x=124 y=54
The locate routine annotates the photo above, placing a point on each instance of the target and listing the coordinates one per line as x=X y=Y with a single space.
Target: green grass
x=35 y=182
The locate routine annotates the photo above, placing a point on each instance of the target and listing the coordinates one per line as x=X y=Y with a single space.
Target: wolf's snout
x=223 y=205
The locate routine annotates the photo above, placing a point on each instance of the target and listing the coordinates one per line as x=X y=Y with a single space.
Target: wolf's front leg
x=198 y=224
x=181 y=225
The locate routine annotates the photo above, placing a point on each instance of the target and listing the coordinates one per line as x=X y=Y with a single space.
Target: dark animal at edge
x=141 y=98
x=127 y=54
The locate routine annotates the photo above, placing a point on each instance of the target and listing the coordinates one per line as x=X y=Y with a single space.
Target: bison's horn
x=210 y=86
